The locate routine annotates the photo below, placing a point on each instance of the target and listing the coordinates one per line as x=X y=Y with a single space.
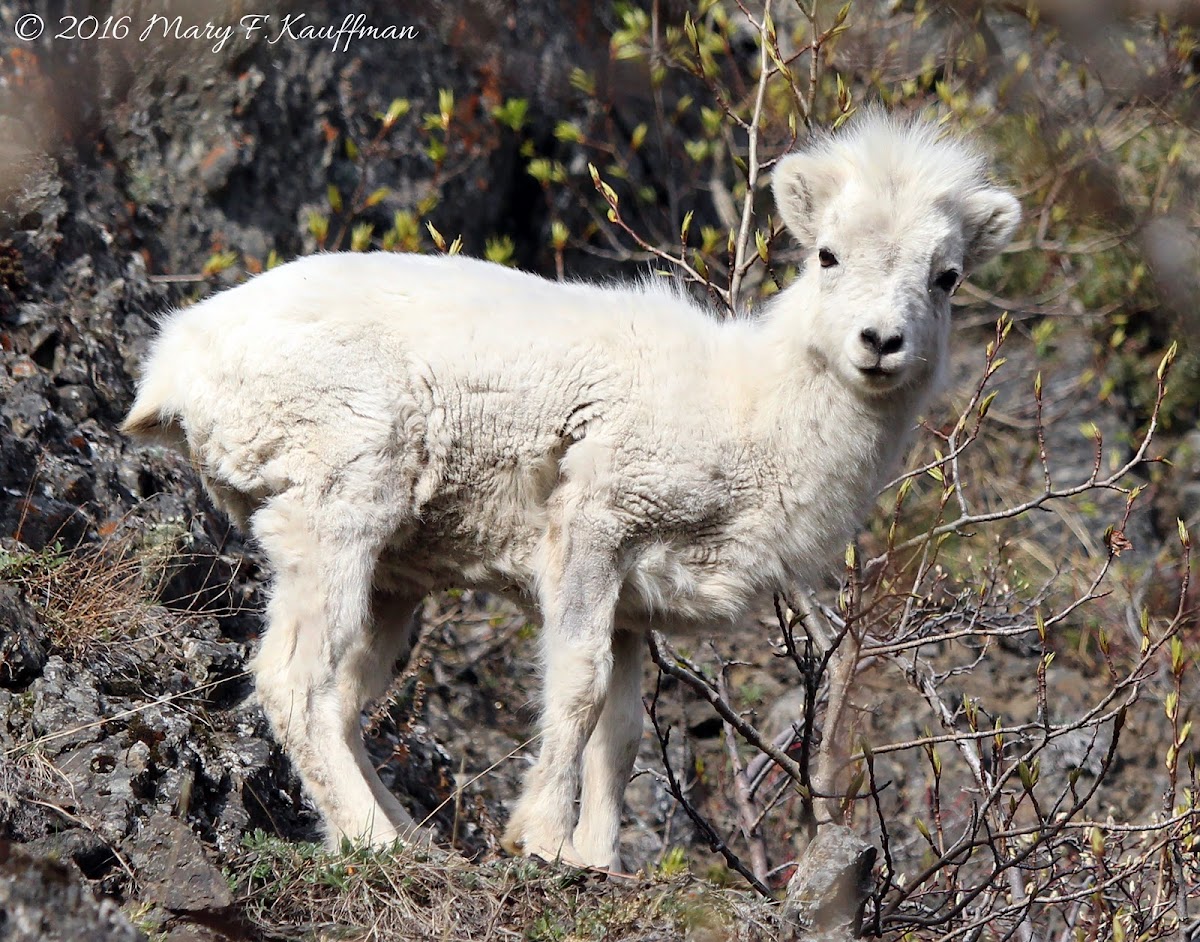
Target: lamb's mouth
x=879 y=380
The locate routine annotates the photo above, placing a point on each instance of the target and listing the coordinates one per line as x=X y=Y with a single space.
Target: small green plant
x=20 y=567
x=512 y=113
x=219 y=262
x=500 y=249
x=674 y=863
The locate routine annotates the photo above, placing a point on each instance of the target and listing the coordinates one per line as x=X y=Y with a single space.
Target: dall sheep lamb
x=609 y=456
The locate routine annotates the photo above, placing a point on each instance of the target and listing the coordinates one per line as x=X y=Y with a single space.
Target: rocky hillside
x=141 y=796
x=140 y=793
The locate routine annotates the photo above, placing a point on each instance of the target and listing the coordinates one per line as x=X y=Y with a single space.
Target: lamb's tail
x=144 y=420
x=153 y=417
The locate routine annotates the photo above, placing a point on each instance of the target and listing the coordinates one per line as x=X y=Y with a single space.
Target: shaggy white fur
x=610 y=456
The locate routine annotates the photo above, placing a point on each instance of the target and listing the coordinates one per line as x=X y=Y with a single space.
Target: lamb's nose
x=881 y=346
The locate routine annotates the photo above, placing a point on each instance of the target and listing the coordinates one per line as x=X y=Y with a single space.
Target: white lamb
x=611 y=456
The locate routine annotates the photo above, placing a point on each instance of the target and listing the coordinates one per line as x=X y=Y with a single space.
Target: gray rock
x=826 y=895
x=39 y=522
x=175 y=872
x=106 y=784
x=90 y=852
x=44 y=901
x=27 y=409
x=78 y=402
x=66 y=705
x=212 y=660
x=22 y=655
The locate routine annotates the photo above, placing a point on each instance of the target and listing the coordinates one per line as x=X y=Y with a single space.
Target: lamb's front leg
x=577 y=630
x=609 y=757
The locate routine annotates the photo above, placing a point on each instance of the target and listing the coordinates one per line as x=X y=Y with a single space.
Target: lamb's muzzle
x=605 y=455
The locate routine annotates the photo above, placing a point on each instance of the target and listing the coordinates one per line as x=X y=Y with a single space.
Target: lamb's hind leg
x=312 y=669
x=394 y=633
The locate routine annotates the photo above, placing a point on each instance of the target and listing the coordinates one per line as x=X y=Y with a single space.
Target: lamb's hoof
x=600 y=856
x=550 y=851
x=416 y=838
x=603 y=863
x=615 y=866
x=565 y=854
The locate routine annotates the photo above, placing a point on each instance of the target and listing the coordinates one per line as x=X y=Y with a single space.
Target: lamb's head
x=890 y=214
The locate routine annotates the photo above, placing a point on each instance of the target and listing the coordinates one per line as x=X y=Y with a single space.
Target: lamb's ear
x=990 y=215
x=801 y=183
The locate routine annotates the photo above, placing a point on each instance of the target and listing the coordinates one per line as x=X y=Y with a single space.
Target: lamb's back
x=456 y=380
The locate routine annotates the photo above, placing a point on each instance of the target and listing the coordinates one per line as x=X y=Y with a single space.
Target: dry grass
x=290 y=890
x=98 y=599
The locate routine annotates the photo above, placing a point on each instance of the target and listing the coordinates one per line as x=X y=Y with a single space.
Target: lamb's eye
x=947 y=280
x=827 y=258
